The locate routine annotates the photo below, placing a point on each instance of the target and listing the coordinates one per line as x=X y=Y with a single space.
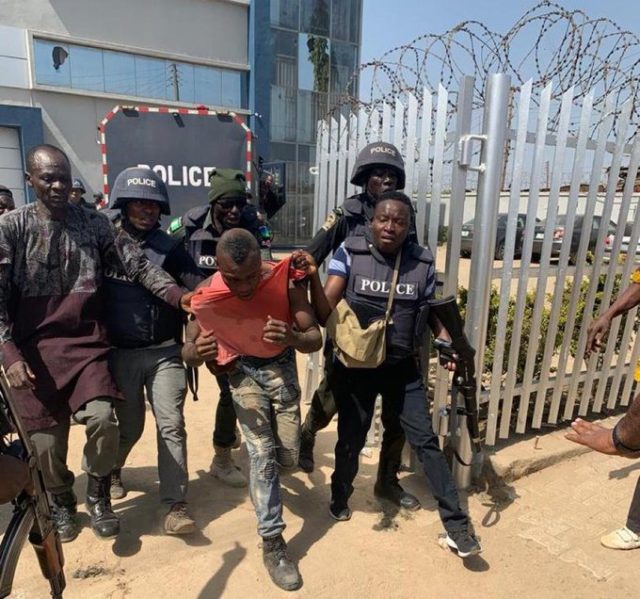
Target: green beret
x=227 y=182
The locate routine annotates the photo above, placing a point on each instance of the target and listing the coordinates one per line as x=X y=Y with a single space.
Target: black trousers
x=323 y=408
x=633 y=517
x=404 y=407
x=224 y=433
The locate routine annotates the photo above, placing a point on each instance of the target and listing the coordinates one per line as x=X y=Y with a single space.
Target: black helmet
x=78 y=184
x=379 y=153
x=139 y=184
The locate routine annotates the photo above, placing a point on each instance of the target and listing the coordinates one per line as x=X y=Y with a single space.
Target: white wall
x=14 y=65
x=209 y=29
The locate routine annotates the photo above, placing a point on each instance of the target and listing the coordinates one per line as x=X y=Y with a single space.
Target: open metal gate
x=565 y=191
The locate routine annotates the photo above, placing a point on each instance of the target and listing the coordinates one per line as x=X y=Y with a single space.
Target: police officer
x=360 y=272
x=7 y=203
x=146 y=334
x=200 y=229
x=379 y=168
x=76 y=195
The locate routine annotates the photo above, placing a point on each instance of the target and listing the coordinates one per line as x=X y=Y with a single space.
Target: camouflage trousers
x=266 y=395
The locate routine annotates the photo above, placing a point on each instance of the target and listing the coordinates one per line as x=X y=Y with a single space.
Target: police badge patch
x=176 y=225
x=332 y=219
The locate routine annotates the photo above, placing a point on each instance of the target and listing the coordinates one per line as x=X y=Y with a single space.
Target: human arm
x=18 y=372
x=332 y=233
x=441 y=334
x=602 y=439
x=199 y=346
x=597 y=330
x=305 y=336
x=324 y=299
x=119 y=251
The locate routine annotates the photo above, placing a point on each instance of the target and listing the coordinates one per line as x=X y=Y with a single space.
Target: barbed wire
x=547 y=44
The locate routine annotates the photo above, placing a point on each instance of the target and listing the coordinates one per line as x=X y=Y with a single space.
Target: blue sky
x=389 y=23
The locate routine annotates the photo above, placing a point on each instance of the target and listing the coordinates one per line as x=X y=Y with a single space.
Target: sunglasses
x=231 y=203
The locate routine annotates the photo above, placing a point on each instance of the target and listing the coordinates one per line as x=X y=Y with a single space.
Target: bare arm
x=600 y=438
x=305 y=336
x=628 y=299
x=309 y=336
x=199 y=347
x=323 y=299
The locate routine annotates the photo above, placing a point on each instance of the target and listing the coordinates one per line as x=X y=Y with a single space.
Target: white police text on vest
x=373 y=287
x=207 y=261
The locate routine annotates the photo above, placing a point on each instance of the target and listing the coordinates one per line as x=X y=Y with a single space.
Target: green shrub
x=492 y=325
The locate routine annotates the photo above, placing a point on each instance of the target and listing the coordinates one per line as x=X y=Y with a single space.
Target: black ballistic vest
x=368 y=291
x=135 y=317
x=201 y=241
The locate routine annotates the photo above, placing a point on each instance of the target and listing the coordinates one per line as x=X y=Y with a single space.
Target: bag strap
x=394 y=281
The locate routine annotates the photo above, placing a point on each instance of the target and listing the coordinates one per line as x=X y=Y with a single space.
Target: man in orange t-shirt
x=265 y=390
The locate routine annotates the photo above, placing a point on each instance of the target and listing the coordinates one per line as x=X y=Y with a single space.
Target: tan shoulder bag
x=354 y=346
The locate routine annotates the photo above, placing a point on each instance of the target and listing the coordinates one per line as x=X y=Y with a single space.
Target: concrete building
x=282 y=64
x=64 y=64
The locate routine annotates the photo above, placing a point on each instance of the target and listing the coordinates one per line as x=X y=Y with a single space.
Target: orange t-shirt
x=238 y=324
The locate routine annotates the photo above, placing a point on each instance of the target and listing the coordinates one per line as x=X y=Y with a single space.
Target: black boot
x=282 y=570
x=103 y=521
x=63 y=515
x=388 y=488
x=305 y=457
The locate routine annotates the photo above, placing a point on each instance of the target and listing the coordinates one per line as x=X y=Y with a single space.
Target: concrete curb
x=507 y=464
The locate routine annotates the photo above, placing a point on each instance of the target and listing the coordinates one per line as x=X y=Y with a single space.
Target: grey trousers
x=159 y=372
x=99 y=453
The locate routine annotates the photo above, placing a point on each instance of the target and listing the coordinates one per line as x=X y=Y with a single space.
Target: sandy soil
x=375 y=555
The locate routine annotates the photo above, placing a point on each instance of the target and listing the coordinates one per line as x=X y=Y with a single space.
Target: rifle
x=31 y=516
x=459 y=350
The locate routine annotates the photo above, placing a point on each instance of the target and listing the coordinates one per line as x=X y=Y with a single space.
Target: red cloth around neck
x=238 y=324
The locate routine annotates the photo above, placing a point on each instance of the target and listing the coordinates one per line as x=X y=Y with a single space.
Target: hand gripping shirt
x=50 y=305
x=238 y=324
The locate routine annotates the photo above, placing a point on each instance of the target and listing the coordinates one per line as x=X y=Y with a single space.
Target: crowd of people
x=102 y=311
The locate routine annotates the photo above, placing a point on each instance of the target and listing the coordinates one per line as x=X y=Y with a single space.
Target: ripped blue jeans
x=266 y=395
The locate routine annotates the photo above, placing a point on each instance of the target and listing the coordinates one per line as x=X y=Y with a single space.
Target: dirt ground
x=524 y=531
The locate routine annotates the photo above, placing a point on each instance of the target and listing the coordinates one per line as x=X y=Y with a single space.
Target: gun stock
x=31 y=518
x=464 y=382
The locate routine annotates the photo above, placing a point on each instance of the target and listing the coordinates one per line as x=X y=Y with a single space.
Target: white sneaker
x=623 y=538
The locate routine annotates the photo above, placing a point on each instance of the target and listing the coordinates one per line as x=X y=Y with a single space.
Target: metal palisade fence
x=554 y=236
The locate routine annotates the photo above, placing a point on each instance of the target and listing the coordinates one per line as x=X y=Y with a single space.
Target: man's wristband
x=620 y=446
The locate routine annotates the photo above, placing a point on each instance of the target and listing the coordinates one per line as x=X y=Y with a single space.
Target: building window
x=314 y=17
x=87 y=69
x=345 y=20
x=312 y=107
x=94 y=69
x=284 y=13
x=283 y=113
x=313 y=63
x=343 y=65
